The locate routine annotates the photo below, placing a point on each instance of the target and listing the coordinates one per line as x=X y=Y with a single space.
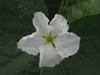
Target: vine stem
x=66 y=3
x=61 y=5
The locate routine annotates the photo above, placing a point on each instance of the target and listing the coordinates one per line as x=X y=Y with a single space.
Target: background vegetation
x=16 y=21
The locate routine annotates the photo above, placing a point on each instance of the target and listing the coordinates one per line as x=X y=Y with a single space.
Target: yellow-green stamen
x=49 y=39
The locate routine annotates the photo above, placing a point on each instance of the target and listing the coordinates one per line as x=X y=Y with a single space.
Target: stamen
x=43 y=36
x=55 y=36
x=53 y=45
x=50 y=34
x=45 y=43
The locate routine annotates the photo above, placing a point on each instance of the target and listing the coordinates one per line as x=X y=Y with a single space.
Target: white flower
x=52 y=41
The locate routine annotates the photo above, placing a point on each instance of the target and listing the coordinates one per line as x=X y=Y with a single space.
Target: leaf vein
x=88 y=62
x=13 y=60
x=63 y=68
x=24 y=20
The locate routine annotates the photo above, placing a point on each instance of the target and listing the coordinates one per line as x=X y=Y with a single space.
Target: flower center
x=49 y=39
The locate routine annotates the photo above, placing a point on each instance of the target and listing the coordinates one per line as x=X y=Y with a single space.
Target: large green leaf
x=15 y=22
x=82 y=8
x=78 y=1
x=87 y=60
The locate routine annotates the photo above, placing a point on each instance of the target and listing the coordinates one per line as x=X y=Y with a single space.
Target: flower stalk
x=64 y=3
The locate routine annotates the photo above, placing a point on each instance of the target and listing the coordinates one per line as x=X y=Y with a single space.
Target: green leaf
x=87 y=60
x=78 y=1
x=81 y=9
x=15 y=22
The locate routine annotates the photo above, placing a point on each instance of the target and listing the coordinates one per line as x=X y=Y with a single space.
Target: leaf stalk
x=64 y=2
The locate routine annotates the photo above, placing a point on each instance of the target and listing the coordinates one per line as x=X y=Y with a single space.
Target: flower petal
x=40 y=21
x=31 y=43
x=67 y=44
x=48 y=56
x=60 y=25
